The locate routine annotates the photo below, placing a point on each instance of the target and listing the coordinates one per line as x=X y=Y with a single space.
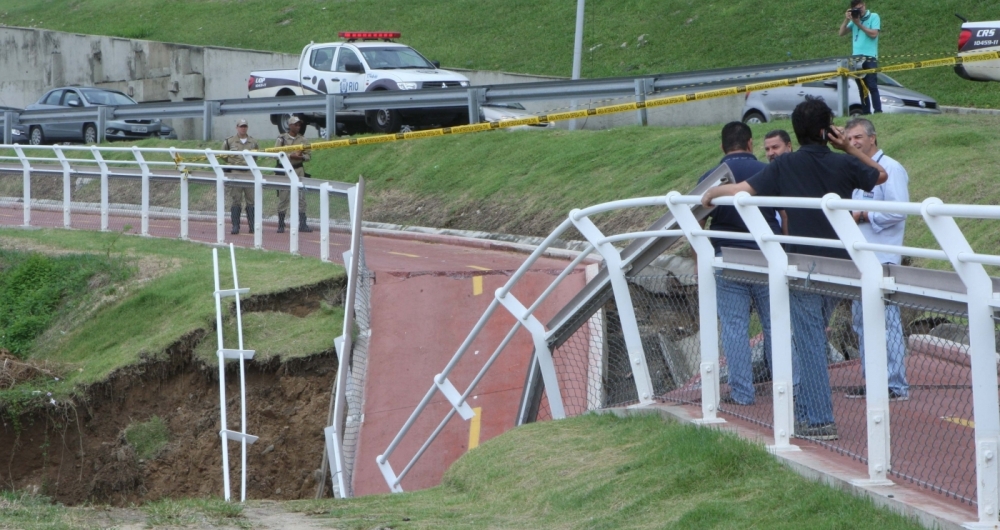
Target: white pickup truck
x=979 y=37
x=365 y=62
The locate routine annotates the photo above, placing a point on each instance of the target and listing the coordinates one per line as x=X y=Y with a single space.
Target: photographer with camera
x=864 y=26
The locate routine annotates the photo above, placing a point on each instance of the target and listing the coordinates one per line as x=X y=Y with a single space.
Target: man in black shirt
x=733 y=298
x=812 y=171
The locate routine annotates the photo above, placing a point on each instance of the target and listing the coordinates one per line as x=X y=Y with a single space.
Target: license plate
x=138 y=129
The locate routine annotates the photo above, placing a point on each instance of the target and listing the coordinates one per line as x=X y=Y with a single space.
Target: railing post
x=104 y=187
x=185 y=212
x=781 y=325
x=324 y=222
x=626 y=311
x=220 y=198
x=293 y=203
x=876 y=361
x=258 y=200
x=144 y=208
x=26 y=184
x=982 y=353
x=642 y=87
x=66 y=169
x=708 y=314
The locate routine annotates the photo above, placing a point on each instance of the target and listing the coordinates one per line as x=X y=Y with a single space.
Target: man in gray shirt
x=886 y=229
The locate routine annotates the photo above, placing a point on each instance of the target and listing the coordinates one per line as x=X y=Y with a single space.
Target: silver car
x=86 y=132
x=764 y=105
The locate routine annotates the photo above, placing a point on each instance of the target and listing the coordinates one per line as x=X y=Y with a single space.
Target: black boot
x=234 y=214
x=281 y=222
x=250 y=219
x=303 y=227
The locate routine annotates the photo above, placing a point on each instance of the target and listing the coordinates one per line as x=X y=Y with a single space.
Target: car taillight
x=963 y=37
x=250 y=83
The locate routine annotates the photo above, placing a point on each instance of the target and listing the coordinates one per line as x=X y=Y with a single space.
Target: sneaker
x=855 y=392
x=826 y=431
x=896 y=396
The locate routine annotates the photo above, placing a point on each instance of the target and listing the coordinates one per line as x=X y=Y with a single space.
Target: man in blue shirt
x=864 y=26
x=734 y=298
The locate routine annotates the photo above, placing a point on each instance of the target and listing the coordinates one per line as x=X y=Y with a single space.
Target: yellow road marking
x=477 y=285
x=960 y=421
x=478 y=268
x=474 y=428
x=405 y=254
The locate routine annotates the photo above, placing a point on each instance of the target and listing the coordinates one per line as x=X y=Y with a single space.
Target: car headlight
x=17 y=132
x=464 y=83
x=891 y=101
x=407 y=86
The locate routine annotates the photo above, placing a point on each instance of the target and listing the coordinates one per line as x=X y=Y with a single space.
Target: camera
x=855 y=12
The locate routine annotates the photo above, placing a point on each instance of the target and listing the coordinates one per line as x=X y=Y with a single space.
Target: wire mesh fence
x=931 y=416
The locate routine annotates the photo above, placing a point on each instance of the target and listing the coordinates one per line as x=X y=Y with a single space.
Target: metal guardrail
x=471 y=97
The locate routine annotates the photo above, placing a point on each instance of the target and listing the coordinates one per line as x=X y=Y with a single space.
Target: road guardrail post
x=334 y=102
x=477 y=96
x=211 y=109
x=843 y=94
x=642 y=87
x=9 y=120
x=102 y=123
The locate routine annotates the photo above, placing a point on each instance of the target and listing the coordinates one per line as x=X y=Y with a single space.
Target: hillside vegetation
x=621 y=37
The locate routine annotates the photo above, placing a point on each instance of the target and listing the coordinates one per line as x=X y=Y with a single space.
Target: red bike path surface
x=429 y=291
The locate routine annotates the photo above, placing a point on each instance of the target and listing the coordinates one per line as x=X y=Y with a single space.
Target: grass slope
x=598 y=472
x=536 y=36
x=123 y=324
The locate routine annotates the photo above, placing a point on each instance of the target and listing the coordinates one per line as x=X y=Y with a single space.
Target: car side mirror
x=73 y=103
x=354 y=67
x=437 y=64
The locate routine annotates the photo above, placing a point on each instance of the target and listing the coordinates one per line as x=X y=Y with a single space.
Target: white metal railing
x=268 y=170
x=979 y=298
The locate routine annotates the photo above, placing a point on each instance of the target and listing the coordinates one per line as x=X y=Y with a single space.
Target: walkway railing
x=145 y=191
x=951 y=421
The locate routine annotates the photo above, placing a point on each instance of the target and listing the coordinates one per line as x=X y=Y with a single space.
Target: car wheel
x=89 y=134
x=384 y=121
x=856 y=110
x=754 y=117
x=36 y=136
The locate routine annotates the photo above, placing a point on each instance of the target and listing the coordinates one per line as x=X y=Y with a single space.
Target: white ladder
x=243 y=356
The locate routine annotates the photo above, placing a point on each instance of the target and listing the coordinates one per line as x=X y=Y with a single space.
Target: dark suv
x=86 y=132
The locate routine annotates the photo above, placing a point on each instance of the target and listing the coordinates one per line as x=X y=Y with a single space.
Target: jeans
x=733 y=300
x=810 y=315
x=871 y=82
x=894 y=347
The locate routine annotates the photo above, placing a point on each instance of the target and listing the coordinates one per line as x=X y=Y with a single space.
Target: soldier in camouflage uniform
x=297 y=158
x=238 y=194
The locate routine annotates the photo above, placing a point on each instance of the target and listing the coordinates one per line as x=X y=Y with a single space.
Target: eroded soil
x=76 y=452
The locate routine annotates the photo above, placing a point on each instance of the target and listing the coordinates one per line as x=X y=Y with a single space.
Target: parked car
x=764 y=105
x=979 y=37
x=18 y=134
x=509 y=111
x=86 y=132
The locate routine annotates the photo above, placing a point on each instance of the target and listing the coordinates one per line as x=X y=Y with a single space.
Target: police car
x=979 y=37
x=363 y=62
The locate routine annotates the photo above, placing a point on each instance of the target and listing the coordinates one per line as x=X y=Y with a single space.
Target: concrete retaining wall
x=33 y=61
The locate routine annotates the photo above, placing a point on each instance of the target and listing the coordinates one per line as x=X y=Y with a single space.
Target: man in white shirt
x=886 y=229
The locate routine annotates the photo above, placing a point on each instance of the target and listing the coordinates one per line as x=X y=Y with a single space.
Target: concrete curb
x=821 y=465
x=968 y=110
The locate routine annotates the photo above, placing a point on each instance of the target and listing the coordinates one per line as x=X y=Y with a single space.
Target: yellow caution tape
x=625 y=107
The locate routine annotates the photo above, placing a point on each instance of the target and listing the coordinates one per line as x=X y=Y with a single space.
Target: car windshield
x=394 y=57
x=885 y=80
x=106 y=97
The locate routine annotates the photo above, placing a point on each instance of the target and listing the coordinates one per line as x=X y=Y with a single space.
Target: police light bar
x=369 y=34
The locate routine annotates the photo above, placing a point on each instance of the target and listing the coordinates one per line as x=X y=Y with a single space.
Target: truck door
x=350 y=71
x=318 y=77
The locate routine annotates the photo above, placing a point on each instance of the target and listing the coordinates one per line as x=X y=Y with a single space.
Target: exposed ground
x=76 y=451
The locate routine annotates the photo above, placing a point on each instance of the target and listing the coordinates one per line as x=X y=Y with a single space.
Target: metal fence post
x=982 y=353
x=26 y=178
x=258 y=199
x=9 y=121
x=144 y=208
x=876 y=361
x=781 y=324
x=293 y=203
x=642 y=87
x=220 y=198
x=477 y=96
x=707 y=309
x=185 y=213
x=324 y=222
x=843 y=90
x=334 y=102
x=104 y=186
x=66 y=183
x=211 y=109
x=102 y=123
